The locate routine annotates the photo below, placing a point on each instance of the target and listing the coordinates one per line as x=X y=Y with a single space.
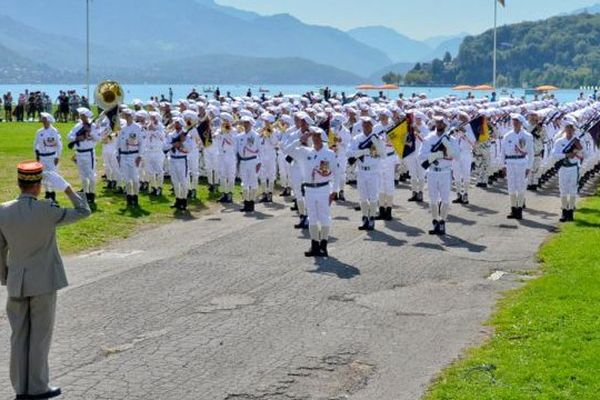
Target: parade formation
x=313 y=146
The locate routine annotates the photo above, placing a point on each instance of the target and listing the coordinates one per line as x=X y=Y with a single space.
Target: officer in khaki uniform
x=32 y=269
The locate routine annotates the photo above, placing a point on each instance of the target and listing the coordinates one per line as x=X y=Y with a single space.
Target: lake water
x=180 y=91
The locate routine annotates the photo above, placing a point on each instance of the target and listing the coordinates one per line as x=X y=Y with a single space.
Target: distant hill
x=15 y=68
x=229 y=69
x=450 y=45
x=398 y=47
x=562 y=51
x=436 y=41
x=169 y=29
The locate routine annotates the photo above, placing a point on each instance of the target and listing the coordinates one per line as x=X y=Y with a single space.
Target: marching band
x=313 y=147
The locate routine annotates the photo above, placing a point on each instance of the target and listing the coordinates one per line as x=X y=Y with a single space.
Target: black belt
x=126 y=153
x=515 y=157
x=85 y=151
x=391 y=154
x=248 y=158
x=178 y=157
x=46 y=154
x=316 y=185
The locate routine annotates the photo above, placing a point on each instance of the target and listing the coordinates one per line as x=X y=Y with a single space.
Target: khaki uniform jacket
x=30 y=263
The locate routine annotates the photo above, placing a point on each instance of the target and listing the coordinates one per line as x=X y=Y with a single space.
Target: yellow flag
x=398 y=135
x=331 y=138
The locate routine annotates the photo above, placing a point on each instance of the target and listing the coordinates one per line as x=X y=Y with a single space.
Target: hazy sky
x=419 y=19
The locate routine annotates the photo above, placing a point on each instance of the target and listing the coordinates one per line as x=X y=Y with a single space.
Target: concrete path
x=226 y=307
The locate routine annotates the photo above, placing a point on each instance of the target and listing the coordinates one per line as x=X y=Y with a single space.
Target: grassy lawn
x=112 y=220
x=546 y=343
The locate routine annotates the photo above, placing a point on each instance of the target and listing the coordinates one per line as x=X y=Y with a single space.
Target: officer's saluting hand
x=31 y=267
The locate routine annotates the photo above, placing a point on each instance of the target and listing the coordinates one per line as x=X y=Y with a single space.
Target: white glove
x=435 y=156
x=56 y=181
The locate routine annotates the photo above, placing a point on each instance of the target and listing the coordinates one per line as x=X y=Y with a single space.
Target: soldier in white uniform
x=286 y=126
x=154 y=157
x=268 y=158
x=248 y=155
x=225 y=145
x=83 y=138
x=517 y=157
x=32 y=270
x=109 y=155
x=191 y=124
x=180 y=144
x=48 y=148
x=387 y=168
x=415 y=170
x=319 y=165
x=302 y=123
x=130 y=148
x=437 y=154
x=341 y=141
x=367 y=150
x=461 y=166
x=569 y=152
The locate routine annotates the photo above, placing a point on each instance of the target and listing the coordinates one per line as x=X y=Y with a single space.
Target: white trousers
x=180 y=176
x=154 y=165
x=387 y=175
x=248 y=175
x=462 y=171
x=130 y=173
x=48 y=163
x=416 y=171
x=227 y=171
x=568 y=178
x=87 y=170
x=367 y=183
x=438 y=184
x=516 y=178
x=317 y=205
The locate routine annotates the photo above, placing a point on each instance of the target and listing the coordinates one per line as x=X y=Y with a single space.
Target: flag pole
x=495 y=40
x=87 y=47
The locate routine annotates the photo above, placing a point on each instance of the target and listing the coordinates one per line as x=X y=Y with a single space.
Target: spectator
x=8 y=106
x=21 y=105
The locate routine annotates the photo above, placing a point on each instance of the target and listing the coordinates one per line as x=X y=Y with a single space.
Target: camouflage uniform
x=482 y=161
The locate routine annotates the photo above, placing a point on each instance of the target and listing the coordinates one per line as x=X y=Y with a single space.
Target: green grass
x=546 y=343
x=112 y=220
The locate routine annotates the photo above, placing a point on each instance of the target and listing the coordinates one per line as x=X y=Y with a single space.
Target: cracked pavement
x=226 y=306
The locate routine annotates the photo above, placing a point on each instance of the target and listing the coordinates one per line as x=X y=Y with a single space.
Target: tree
x=391 y=78
x=447 y=58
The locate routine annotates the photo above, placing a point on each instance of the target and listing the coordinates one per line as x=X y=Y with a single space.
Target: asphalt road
x=226 y=306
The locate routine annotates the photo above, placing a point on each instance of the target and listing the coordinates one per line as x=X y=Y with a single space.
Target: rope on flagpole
x=495 y=40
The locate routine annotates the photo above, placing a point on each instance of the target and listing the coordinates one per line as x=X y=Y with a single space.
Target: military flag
x=402 y=137
x=480 y=128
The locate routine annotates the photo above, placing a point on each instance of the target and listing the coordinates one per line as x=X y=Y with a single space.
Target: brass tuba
x=108 y=96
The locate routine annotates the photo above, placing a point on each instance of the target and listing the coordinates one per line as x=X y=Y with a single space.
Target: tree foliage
x=562 y=51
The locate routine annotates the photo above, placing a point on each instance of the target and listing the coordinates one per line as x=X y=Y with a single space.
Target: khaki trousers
x=32 y=322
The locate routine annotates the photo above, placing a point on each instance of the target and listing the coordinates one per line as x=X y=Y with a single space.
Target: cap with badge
x=30 y=171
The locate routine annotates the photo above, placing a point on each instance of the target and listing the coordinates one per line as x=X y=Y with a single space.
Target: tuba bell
x=108 y=96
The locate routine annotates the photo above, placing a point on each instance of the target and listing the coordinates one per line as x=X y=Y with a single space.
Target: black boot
x=381 y=215
x=442 y=227
x=129 y=201
x=302 y=223
x=47 y=196
x=246 y=207
x=414 y=197
x=436 y=228
x=513 y=213
x=371 y=224
x=565 y=216
x=388 y=214
x=295 y=206
x=223 y=198
x=135 y=200
x=519 y=215
x=176 y=204
x=341 y=196
x=251 y=205
x=465 y=198
x=91 y=198
x=365 y=224
x=183 y=205
x=323 y=248
x=419 y=197
x=189 y=194
x=458 y=199
x=571 y=215
x=269 y=197
x=263 y=198
x=314 y=251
